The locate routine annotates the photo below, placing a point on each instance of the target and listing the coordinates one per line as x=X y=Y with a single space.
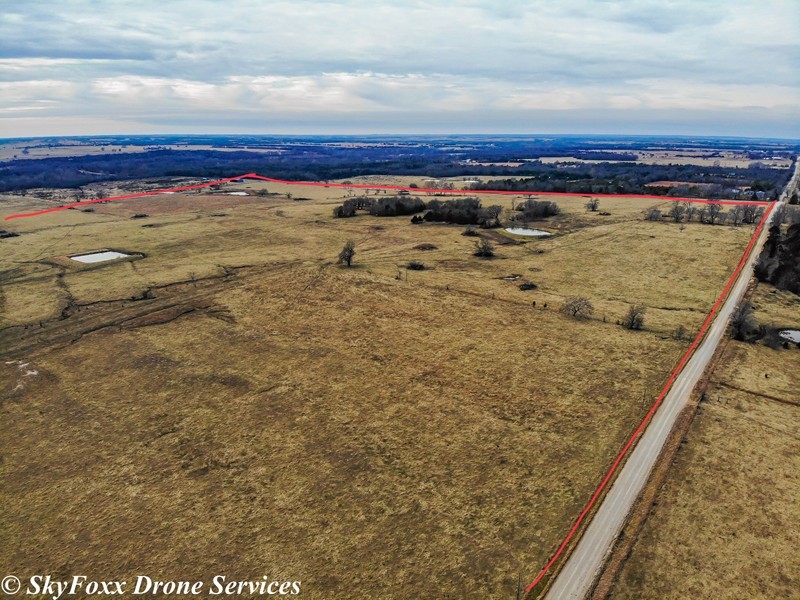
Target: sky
x=694 y=67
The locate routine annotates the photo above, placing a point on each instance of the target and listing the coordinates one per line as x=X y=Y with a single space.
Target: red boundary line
x=375 y=187
x=684 y=359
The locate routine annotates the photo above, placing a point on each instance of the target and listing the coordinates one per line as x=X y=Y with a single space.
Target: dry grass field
x=726 y=522
x=235 y=402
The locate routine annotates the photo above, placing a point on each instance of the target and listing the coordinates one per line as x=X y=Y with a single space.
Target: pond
x=793 y=335
x=96 y=257
x=528 y=232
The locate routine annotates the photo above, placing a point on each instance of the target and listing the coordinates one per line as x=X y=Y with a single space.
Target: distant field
x=685 y=157
x=726 y=521
x=20 y=150
x=373 y=429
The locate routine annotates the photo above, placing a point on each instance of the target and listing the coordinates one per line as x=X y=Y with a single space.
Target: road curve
x=577 y=576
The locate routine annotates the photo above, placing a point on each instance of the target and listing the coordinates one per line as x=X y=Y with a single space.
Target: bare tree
x=691 y=211
x=742 y=321
x=634 y=319
x=714 y=210
x=493 y=212
x=347 y=253
x=654 y=215
x=702 y=213
x=750 y=213
x=677 y=211
x=737 y=215
x=593 y=204
x=484 y=248
x=577 y=307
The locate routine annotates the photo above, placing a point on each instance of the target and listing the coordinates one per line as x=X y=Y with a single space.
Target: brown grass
x=369 y=436
x=726 y=522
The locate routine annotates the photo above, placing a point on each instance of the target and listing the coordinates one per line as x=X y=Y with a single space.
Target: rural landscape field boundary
x=633 y=438
x=399 y=188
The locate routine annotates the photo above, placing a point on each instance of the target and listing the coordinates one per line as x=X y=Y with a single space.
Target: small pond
x=793 y=335
x=528 y=232
x=96 y=257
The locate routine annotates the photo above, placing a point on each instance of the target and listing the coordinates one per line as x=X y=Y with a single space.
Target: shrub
x=634 y=319
x=528 y=285
x=484 y=248
x=347 y=253
x=415 y=265
x=742 y=322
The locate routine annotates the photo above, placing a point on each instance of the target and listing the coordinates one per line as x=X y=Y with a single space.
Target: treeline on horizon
x=627 y=178
x=322 y=163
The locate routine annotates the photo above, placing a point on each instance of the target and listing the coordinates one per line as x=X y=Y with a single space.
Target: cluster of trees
x=532 y=210
x=710 y=214
x=390 y=206
x=779 y=263
x=464 y=211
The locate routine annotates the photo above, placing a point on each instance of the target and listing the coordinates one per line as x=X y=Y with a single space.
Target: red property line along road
x=359 y=186
x=647 y=418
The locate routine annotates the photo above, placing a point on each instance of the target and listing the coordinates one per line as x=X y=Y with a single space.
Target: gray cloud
x=313 y=65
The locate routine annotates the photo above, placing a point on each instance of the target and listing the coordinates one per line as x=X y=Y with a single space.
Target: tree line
x=709 y=214
x=462 y=211
x=637 y=178
x=779 y=262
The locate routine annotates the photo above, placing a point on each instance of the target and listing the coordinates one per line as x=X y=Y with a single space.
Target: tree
x=714 y=210
x=742 y=321
x=593 y=204
x=677 y=211
x=347 y=253
x=493 y=212
x=635 y=317
x=750 y=213
x=577 y=307
x=484 y=248
x=654 y=215
x=737 y=215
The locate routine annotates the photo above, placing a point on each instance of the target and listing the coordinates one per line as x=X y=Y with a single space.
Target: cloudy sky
x=727 y=67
